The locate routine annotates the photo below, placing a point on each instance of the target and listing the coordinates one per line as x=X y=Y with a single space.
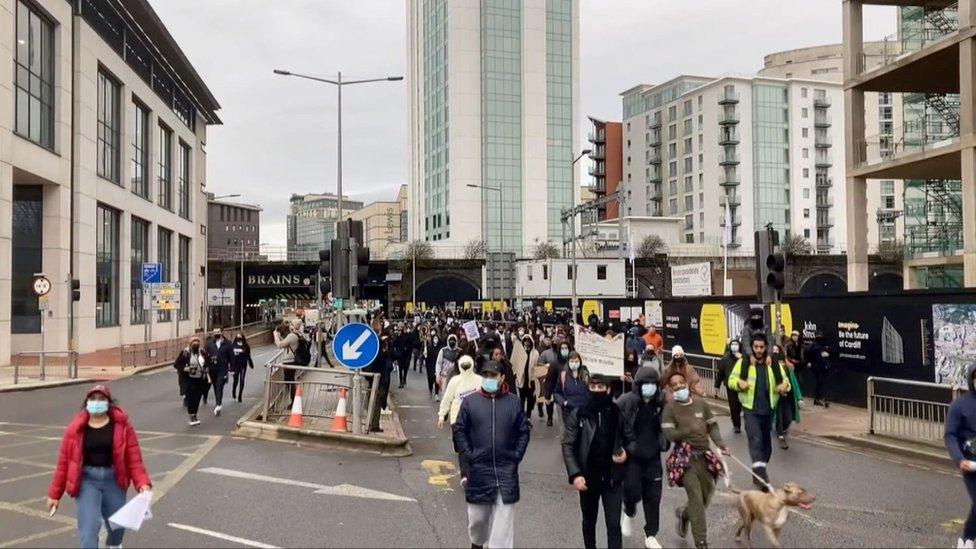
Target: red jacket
x=126 y=456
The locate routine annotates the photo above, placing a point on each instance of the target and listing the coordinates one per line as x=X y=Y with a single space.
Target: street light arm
x=336 y=82
x=387 y=79
x=305 y=76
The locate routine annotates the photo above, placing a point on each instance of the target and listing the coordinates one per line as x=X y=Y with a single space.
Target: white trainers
x=650 y=542
x=217 y=409
x=626 y=525
x=960 y=543
x=969 y=544
x=194 y=422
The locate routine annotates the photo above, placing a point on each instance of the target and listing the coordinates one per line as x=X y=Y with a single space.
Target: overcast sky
x=279 y=133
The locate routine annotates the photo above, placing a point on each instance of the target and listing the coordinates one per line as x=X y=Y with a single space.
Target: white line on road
x=225 y=537
x=340 y=490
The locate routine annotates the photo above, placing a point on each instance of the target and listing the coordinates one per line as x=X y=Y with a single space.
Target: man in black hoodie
x=594 y=461
x=643 y=440
x=733 y=352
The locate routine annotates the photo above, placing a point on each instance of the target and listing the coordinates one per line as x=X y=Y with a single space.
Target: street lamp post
x=582 y=153
x=484 y=222
x=338 y=83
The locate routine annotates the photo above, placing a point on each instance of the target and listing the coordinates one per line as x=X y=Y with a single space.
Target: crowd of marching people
x=622 y=436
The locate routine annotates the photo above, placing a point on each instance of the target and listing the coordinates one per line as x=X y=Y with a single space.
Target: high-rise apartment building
x=605 y=154
x=929 y=63
x=233 y=230
x=311 y=223
x=763 y=146
x=494 y=96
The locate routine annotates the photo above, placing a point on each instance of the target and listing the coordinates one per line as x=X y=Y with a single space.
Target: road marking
x=439 y=473
x=225 y=537
x=177 y=474
x=40 y=535
x=25 y=477
x=36 y=513
x=340 y=490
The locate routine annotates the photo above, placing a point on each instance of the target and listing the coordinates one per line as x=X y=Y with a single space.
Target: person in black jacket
x=492 y=433
x=733 y=352
x=219 y=349
x=382 y=365
x=818 y=360
x=240 y=359
x=594 y=461
x=643 y=440
x=193 y=365
x=431 y=349
x=508 y=373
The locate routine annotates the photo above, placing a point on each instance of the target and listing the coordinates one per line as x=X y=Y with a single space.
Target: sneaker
x=783 y=443
x=626 y=525
x=737 y=430
x=437 y=398
x=217 y=409
x=960 y=544
x=240 y=399
x=464 y=482
x=194 y=421
x=761 y=473
x=969 y=544
x=549 y=422
x=681 y=521
x=650 y=542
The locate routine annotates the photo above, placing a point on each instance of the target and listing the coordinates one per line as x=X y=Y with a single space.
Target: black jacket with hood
x=637 y=426
x=724 y=366
x=960 y=429
x=579 y=429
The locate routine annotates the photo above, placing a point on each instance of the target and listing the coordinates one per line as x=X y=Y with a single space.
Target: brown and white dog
x=771 y=509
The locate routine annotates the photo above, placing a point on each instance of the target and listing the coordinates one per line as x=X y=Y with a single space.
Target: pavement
x=213 y=489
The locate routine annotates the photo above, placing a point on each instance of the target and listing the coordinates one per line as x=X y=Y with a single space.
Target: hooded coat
x=461 y=386
x=960 y=429
x=640 y=420
x=725 y=364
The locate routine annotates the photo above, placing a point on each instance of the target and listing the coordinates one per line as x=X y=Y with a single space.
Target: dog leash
x=766 y=484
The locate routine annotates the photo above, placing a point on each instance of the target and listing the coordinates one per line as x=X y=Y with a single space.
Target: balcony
x=655 y=197
x=655 y=177
x=733 y=200
x=598 y=170
x=655 y=140
x=825 y=244
x=825 y=182
x=654 y=157
x=825 y=221
x=728 y=137
x=597 y=137
x=821 y=102
x=825 y=201
x=728 y=180
x=821 y=121
x=728 y=159
x=655 y=123
x=728 y=97
x=598 y=153
x=728 y=117
x=736 y=219
x=823 y=161
x=823 y=142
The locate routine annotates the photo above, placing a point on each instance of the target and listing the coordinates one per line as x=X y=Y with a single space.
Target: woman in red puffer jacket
x=98 y=460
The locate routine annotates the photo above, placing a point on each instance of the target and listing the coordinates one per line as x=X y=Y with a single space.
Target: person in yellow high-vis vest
x=760 y=382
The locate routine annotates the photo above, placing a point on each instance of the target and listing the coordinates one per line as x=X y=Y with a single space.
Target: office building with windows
x=494 y=101
x=310 y=223
x=763 y=146
x=605 y=155
x=233 y=230
x=103 y=168
x=381 y=223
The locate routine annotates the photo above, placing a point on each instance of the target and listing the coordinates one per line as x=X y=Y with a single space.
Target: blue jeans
x=99 y=498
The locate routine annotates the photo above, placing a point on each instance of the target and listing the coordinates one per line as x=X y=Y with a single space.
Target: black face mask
x=600 y=400
x=195 y=348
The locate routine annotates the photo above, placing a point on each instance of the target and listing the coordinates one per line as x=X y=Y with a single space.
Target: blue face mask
x=96 y=407
x=682 y=395
x=490 y=385
x=648 y=390
x=564 y=352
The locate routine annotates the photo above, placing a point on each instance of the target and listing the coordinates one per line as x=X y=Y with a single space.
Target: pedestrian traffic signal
x=75 y=289
x=340 y=269
x=770 y=266
x=775 y=265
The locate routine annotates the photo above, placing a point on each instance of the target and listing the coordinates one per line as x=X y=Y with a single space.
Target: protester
x=788 y=410
x=571 y=390
x=240 y=360
x=679 y=365
x=446 y=360
x=492 y=433
x=525 y=370
x=508 y=373
x=294 y=342
x=550 y=359
x=194 y=366
x=818 y=360
x=220 y=351
x=733 y=353
x=960 y=441
x=429 y=357
x=651 y=337
x=382 y=366
x=688 y=421
x=642 y=438
x=594 y=458
x=759 y=393
x=98 y=460
x=461 y=386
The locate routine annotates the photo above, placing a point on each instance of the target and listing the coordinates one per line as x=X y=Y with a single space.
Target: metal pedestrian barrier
x=41 y=365
x=320 y=394
x=706 y=366
x=909 y=410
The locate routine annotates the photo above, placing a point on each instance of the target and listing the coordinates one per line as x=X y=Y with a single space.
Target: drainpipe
x=75 y=38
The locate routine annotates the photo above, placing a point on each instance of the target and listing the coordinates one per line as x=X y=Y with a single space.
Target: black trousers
x=759 y=430
x=527 y=397
x=219 y=380
x=612 y=497
x=969 y=530
x=404 y=368
x=237 y=388
x=432 y=386
x=821 y=378
x=784 y=413
x=735 y=408
x=644 y=483
x=194 y=392
x=289 y=376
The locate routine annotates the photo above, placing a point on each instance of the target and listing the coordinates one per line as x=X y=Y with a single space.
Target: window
x=672 y=113
x=806 y=153
x=687 y=149
x=806 y=233
x=672 y=150
x=803 y=93
x=25 y=257
x=528 y=272
x=806 y=173
x=138 y=254
x=184 y=275
x=108 y=127
x=140 y=150
x=805 y=132
x=34 y=76
x=806 y=193
x=164 y=256
x=806 y=213
x=687 y=127
x=601 y=272
x=183 y=184
x=165 y=165
x=673 y=206
x=687 y=108
x=107 y=267
x=545 y=272
x=569 y=272
x=688 y=165
x=804 y=112
x=672 y=132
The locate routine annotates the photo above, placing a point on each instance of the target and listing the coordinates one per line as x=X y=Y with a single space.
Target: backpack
x=303 y=353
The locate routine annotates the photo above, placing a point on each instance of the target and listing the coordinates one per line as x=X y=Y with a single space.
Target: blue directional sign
x=355 y=346
x=152 y=273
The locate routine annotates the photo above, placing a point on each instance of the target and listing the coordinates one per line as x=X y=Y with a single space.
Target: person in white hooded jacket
x=462 y=385
x=447 y=357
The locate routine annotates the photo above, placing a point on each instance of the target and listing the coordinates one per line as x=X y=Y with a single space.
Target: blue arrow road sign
x=152 y=273
x=355 y=346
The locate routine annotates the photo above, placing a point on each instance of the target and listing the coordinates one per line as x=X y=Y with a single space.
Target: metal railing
x=909 y=410
x=166 y=350
x=706 y=366
x=38 y=365
x=320 y=394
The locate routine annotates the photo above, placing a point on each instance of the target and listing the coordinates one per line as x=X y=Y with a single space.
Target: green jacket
x=746 y=397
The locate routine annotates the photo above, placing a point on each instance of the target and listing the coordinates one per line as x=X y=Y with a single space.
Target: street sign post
x=41 y=286
x=152 y=273
x=165 y=296
x=355 y=346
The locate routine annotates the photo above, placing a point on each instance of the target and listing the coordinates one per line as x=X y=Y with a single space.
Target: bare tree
x=419 y=250
x=892 y=251
x=797 y=245
x=474 y=249
x=545 y=250
x=650 y=246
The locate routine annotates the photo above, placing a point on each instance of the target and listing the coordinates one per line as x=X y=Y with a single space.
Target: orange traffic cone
x=296 y=409
x=339 y=423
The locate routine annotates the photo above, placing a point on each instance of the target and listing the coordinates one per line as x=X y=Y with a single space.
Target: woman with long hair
x=240 y=359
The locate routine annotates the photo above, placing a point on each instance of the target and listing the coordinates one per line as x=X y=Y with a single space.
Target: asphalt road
x=215 y=490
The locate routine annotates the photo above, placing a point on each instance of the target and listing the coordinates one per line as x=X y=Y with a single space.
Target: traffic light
x=775 y=277
x=362 y=265
x=340 y=269
x=75 y=289
x=770 y=266
x=325 y=271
